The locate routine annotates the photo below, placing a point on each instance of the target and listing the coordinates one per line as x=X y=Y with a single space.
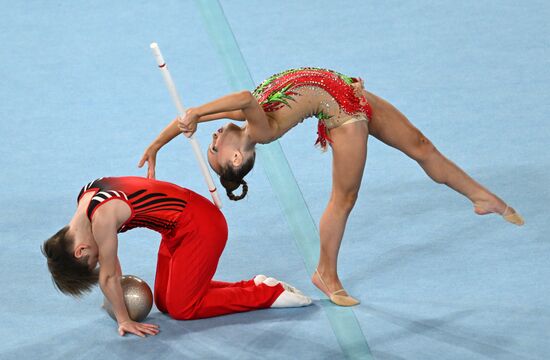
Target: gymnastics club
x=181 y=110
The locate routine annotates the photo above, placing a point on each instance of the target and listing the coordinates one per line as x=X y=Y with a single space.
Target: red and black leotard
x=194 y=233
x=156 y=205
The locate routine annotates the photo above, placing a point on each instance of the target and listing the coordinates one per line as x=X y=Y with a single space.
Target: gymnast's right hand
x=149 y=156
x=136 y=328
x=188 y=123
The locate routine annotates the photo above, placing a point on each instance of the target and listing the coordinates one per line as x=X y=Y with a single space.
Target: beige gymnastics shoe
x=340 y=300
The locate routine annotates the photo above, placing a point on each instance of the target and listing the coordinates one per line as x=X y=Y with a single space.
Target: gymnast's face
x=225 y=148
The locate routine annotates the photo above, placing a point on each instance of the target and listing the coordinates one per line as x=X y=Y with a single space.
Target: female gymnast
x=194 y=233
x=346 y=114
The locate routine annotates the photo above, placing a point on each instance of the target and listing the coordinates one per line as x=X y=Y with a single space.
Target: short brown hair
x=70 y=275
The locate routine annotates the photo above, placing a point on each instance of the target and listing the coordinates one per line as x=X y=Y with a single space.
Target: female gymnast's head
x=231 y=155
x=72 y=256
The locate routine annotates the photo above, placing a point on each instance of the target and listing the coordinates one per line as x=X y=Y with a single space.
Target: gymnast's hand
x=149 y=156
x=358 y=87
x=188 y=124
x=136 y=328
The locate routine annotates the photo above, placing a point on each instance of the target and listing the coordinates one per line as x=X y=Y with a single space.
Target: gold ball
x=138 y=298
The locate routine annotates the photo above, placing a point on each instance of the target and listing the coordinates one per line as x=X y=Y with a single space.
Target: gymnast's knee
x=422 y=148
x=345 y=201
x=178 y=312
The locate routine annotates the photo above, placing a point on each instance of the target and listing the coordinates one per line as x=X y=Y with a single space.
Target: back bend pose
x=347 y=114
x=194 y=233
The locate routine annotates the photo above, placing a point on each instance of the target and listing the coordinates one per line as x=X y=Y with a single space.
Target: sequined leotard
x=297 y=94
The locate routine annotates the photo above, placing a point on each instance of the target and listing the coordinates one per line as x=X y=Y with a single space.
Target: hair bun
x=231 y=186
x=231 y=177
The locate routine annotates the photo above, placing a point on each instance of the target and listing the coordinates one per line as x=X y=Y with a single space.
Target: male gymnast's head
x=72 y=256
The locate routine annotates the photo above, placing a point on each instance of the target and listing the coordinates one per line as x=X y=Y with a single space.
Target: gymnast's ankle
x=489 y=204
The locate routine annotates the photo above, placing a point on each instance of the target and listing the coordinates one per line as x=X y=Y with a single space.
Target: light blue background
x=81 y=98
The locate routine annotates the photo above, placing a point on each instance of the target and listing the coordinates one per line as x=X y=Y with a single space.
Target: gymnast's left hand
x=188 y=123
x=137 y=328
x=149 y=157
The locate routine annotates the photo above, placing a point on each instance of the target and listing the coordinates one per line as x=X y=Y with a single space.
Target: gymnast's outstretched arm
x=260 y=128
x=171 y=131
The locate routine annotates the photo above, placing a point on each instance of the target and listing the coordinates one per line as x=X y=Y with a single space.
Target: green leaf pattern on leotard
x=348 y=80
x=284 y=95
x=321 y=115
x=269 y=80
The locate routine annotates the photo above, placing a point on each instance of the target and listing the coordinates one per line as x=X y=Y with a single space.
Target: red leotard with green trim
x=280 y=89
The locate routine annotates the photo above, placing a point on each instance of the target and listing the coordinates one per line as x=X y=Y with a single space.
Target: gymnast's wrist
x=155 y=146
x=196 y=112
x=123 y=320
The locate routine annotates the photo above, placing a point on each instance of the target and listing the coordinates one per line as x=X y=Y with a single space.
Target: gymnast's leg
x=162 y=275
x=393 y=128
x=189 y=292
x=349 y=153
x=224 y=284
x=163 y=271
x=255 y=281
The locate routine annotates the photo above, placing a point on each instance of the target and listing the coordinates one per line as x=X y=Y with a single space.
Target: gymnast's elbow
x=245 y=98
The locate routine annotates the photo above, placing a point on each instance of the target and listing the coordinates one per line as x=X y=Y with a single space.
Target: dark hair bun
x=231 y=186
